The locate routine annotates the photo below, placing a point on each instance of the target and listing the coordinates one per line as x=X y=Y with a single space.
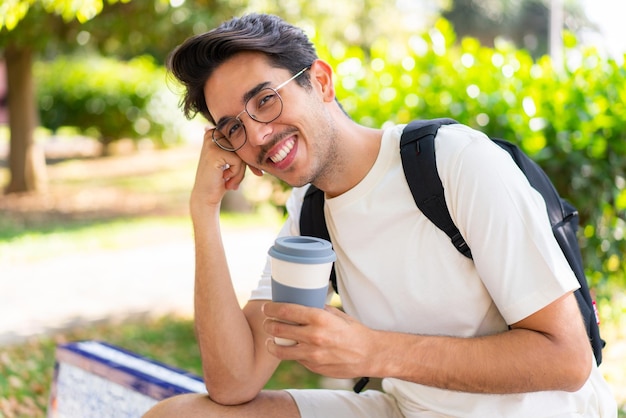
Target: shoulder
x=458 y=136
x=459 y=147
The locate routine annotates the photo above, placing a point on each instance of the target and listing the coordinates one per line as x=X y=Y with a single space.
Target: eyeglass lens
x=263 y=107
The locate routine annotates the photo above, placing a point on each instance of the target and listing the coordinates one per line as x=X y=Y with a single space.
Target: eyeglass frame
x=245 y=110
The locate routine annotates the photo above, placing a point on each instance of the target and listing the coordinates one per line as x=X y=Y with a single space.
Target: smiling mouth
x=283 y=151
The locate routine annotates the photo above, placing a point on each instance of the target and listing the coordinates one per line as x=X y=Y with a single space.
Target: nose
x=258 y=132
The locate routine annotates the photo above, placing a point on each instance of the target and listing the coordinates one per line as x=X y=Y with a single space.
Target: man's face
x=294 y=146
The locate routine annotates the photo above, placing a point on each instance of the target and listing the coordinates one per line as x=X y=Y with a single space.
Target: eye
x=266 y=98
x=230 y=128
x=233 y=129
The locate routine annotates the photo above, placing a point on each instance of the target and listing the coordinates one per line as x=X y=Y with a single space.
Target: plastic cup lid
x=302 y=250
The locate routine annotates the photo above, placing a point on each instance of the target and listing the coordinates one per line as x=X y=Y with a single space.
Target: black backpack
x=418 y=160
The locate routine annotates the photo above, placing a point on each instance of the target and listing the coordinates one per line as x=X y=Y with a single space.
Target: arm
x=548 y=350
x=231 y=340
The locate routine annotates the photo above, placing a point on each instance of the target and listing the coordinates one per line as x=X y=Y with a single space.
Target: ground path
x=156 y=279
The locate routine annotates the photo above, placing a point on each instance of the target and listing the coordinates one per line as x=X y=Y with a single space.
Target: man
x=499 y=336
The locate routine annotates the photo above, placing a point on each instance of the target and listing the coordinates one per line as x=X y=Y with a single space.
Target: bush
x=572 y=121
x=106 y=98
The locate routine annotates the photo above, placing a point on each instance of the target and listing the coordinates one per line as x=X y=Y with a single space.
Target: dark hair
x=193 y=62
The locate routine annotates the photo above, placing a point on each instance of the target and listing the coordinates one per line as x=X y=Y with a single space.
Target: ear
x=322 y=79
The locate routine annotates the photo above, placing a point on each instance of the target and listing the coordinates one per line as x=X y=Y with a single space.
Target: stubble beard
x=325 y=158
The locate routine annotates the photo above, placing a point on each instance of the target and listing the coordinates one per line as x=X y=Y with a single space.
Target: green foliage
x=13 y=11
x=54 y=27
x=107 y=98
x=40 y=24
x=571 y=121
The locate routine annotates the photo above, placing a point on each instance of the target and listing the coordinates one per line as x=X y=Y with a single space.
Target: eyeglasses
x=264 y=107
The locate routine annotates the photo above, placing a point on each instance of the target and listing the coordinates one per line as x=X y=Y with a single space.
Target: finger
x=234 y=174
x=289 y=312
x=281 y=352
x=339 y=313
x=208 y=134
x=281 y=329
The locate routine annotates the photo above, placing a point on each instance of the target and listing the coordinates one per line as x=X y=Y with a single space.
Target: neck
x=357 y=150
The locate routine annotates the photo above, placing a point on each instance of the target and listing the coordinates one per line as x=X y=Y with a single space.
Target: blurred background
x=97 y=161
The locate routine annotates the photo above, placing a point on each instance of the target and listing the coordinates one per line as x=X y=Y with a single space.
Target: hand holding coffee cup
x=300 y=271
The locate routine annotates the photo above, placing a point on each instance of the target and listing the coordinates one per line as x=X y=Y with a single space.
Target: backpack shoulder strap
x=417 y=149
x=313 y=221
x=564 y=221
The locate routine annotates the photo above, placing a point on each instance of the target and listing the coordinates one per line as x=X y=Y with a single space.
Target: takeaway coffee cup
x=300 y=270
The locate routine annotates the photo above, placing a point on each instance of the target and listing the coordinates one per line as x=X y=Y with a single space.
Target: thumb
x=256 y=171
x=337 y=312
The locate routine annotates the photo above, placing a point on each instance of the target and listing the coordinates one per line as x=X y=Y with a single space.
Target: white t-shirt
x=397 y=271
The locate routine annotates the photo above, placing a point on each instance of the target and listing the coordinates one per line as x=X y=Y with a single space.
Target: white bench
x=95 y=379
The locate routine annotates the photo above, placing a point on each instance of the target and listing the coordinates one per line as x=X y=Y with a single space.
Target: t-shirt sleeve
x=504 y=221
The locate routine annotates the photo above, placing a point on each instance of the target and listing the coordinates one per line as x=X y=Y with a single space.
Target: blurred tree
x=526 y=23
x=44 y=28
x=353 y=24
x=21 y=22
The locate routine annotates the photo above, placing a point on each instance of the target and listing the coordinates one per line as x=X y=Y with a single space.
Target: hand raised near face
x=218 y=171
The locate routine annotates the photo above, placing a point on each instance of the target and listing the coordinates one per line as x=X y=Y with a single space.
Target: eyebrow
x=253 y=91
x=247 y=96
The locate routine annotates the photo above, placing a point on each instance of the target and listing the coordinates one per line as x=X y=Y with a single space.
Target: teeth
x=282 y=153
